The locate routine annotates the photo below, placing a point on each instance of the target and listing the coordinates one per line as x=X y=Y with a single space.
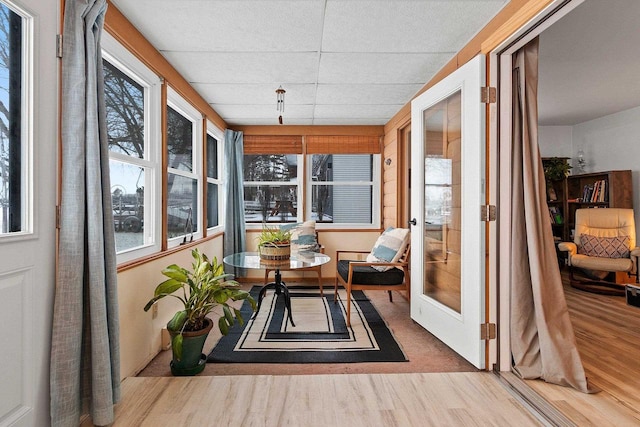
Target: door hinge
x=487 y=213
x=488 y=331
x=59 y=45
x=58 y=217
x=488 y=95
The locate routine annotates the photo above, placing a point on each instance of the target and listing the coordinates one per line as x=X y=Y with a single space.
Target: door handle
x=413 y=222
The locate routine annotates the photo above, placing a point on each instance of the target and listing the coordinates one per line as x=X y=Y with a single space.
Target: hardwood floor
x=608 y=336
x=607 y=331
x=437 y=399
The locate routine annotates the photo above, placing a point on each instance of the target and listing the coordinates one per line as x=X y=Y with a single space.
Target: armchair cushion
x=369 y=275
x=604 y=247
x=389 y=247
x=303 y=236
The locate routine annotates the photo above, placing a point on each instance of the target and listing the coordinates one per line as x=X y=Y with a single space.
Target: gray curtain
x=234 y=228
x=542 y=338
x=85 y=361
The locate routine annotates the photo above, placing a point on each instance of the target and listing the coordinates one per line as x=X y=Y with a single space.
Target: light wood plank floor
x=608 y=336
x=427 y=399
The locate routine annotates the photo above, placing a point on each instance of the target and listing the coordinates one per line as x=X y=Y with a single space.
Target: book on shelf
x=596 y=192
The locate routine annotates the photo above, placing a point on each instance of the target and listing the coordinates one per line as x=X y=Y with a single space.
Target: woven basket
x=275 y=252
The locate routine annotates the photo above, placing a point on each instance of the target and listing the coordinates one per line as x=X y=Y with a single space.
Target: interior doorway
x=570 y=125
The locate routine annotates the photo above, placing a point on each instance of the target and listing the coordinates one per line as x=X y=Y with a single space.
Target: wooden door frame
x=499 y=122
x=403 y=177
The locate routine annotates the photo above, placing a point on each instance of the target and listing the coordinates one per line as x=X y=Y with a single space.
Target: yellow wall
x=139 y=330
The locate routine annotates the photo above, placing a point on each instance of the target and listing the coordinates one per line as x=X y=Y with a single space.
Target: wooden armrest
x=349 y=252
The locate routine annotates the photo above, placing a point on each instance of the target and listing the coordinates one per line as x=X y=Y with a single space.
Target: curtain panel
x=85 y=364
x=234 y=229
x=543 y=343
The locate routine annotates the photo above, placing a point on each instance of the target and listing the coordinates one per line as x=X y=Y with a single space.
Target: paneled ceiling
x=340 y=61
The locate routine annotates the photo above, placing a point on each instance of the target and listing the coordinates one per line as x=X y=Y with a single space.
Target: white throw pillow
x=303 y=236
x=389 y=247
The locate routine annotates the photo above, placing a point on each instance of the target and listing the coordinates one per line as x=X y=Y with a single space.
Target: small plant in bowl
x=274 y=243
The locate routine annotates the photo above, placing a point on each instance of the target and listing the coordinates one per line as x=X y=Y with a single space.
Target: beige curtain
x=542 y=339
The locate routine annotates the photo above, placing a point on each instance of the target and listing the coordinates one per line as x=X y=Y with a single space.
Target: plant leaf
x=228 y=315
x=239 y=316
x=178 y=321
x=176 y=344
x=167 y=287
x=175 y=272
x=222 y=325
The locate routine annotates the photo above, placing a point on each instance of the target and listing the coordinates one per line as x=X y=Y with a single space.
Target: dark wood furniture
x=569 y=195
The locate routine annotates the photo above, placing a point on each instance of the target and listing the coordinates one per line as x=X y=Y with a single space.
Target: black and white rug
x=320 y=335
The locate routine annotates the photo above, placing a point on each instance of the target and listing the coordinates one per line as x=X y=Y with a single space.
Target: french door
x=448 y=190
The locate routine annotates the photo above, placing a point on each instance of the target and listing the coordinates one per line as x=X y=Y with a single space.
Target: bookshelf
x=556 y=197
x=610 y=189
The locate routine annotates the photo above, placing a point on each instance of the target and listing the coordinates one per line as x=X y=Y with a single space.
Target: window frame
x=121 y=58
x=299 y=191
x=374 y=184
x=27 y=102
x=191 y=113
x=215 y=132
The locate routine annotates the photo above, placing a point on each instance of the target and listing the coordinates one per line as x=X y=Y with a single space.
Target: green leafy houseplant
x=201 y=290
x=556 y=168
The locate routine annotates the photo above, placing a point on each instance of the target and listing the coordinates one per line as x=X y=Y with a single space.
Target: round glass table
x=252 y=260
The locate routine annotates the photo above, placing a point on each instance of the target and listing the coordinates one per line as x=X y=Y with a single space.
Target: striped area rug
x=320 y=335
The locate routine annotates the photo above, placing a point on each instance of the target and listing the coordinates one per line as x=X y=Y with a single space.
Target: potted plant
x=201 y=290
x=556 y=168
x=274 y=243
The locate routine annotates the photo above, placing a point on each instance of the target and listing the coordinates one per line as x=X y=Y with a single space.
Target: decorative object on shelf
x=581 y=161
x=201 y=290
x=556 y=168
x=280 y=102
x=274 y=244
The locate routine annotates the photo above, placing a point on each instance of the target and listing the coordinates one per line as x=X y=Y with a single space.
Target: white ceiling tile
x=234 y=111
x=384 y=68
x=262 y=121
x=231 y=25
x=366 y=93
x=404 y=26
x=355 y=111
x=238 y=93
x=350 y=121
x=277 y=68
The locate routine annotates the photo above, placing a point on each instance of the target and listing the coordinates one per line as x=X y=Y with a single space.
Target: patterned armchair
x=604 y=241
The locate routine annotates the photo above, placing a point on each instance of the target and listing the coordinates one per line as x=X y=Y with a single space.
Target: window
x=343 y=181
x=132 y=101
x=184 y=141
x=271 y=187
x=343 y=188
x=15 y=196
x=272 y=169
x=214 y=189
